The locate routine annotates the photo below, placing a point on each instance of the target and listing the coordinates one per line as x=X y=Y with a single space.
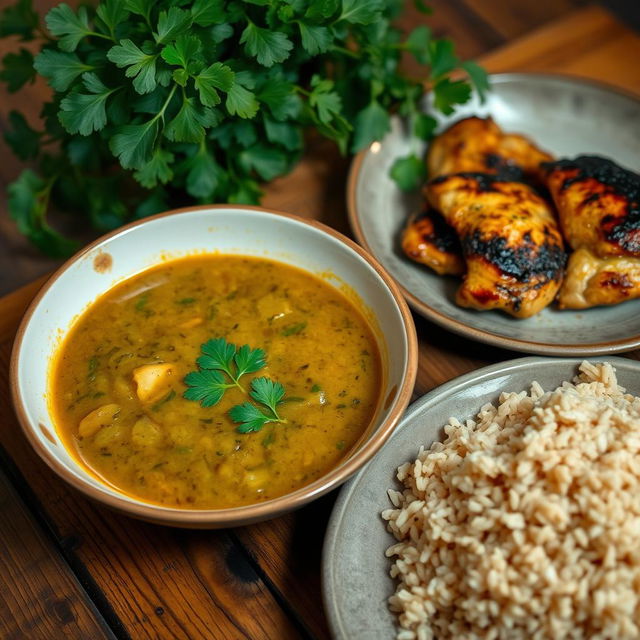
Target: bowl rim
x=459 y=327
x=247 y=513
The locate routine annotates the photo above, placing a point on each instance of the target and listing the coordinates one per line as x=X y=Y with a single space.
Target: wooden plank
x=40 y=597
x=160 y=582
x=14 y=305
x=589 y=43
x=212 y=588
x=471 y=34
x=514 y=19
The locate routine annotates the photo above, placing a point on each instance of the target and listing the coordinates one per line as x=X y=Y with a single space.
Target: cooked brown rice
x=526 y=522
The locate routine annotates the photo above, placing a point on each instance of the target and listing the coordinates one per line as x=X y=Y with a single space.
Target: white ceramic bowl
x=224 y=229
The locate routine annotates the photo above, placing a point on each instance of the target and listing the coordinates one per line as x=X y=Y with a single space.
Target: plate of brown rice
x=506 y=505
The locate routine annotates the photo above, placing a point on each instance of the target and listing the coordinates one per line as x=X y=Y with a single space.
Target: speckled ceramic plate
x=355 y=571
x=563 y=115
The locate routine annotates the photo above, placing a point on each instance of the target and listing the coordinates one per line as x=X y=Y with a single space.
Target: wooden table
x=72 y=569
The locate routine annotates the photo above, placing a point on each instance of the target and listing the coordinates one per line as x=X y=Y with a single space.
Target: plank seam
x=286 y=606
x=111 y=622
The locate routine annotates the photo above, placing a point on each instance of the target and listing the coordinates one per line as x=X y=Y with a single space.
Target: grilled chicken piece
x=510 y=241
x=470 y=145
x=479 y=145
x=429 y=240
x=599 y=207
x=591 y=281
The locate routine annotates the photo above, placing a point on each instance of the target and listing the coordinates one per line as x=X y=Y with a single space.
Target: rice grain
x=524 y=523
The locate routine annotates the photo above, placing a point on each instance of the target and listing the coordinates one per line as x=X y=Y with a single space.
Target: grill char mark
x=526 y=262
x=620 y=183
x=441 y=235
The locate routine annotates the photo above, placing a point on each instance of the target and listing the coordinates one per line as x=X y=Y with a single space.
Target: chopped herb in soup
x=216 y=381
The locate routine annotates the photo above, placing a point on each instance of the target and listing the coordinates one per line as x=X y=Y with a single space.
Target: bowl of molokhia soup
x=213 y=366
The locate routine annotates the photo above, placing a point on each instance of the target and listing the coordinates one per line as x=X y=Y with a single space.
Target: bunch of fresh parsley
x=203 y=100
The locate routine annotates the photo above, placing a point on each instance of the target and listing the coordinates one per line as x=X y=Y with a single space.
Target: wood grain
x=159 y=582
x=40 y=597
x=590 y=43
x=263 y=581
x=513 y=19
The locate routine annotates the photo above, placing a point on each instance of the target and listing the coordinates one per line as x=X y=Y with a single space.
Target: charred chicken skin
x=479 y=145
x=510 y=241
x=599 y=207
x=429 y=240
x=475 y=145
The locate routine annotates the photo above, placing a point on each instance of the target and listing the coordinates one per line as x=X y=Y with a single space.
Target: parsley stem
x=104 y=36
x=236 y=384
x=346 y=52
x=160 y=113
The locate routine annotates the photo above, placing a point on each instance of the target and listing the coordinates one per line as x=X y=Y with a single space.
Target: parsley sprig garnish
x=208 y=385
x=220 y=367
x=159 y=101
x=252 y=418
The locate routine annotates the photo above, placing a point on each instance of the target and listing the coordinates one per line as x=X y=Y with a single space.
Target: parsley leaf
x=68 y=26
x=408 y=172
x=268 y=47
x=206 y=387
x=189 y=123
x=203 y=176
x=478 y=77
x=279 y=95
x=370 y=124
x=84 y=113
x=157 y=169
x=241 y=102
x=140 y=7
x=319 y=9
x=418 y=44
x=424 y=126
x=361 y=11
x=207 y=12
x=251 y=418
x=27 y=203
x=293 y=329
x=315 y=39
x=133 y=143
x=112 y=13
x=19 y=20
x=171 y=24
x=59 y=67
x=248 y=360
x=287 y=134
x=183 y=51
x=223 y=356
x=268 y=162
x=23 y=140
x=216 y=76
x=447 y=93
x=141 y=66
x=267 y=392
x=327 y=102
x=17 y=69
x=442 y=58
